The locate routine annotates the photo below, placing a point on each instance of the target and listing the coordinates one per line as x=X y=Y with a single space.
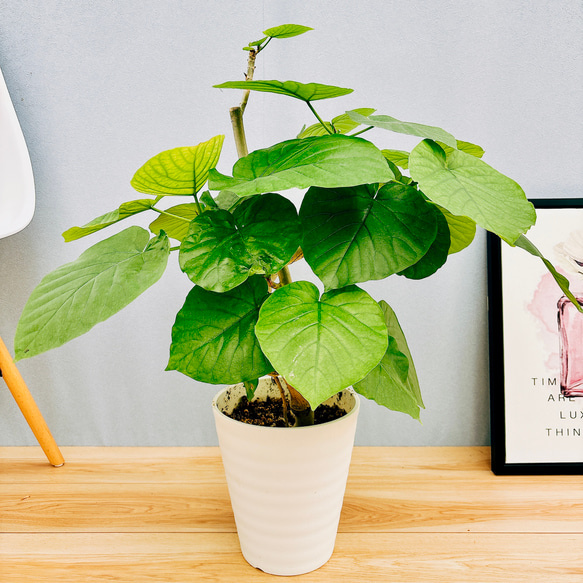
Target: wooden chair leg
x=28 y=407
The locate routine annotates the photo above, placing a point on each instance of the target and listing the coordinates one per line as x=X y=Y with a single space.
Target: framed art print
x=536 y=347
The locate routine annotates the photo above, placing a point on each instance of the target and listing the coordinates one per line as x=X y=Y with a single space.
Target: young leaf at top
x=286 y=30
x=213 y=338
x=180 y=171
x=303 y=91
x=367 y=232
x=321 y=345
x=393 y=383
x=127 y=209
x=222 y=249
x=436 y=255
x=175 y=220
x=255 y=43
x=341 y=124
x=403 y=127
x=467 y=186
x=327 y=161
x=75 y=297
x=525 y=243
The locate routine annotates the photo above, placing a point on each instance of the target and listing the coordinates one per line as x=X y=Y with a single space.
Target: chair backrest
x=17 y=196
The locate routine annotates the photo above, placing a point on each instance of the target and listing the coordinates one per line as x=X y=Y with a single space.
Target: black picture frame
x=506 y=421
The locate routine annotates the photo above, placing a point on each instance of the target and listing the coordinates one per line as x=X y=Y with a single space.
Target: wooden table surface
x=411 y=514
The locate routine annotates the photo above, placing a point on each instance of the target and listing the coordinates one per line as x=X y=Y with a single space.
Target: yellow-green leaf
x=182 y=171
x=175 y=221
x=127 y=209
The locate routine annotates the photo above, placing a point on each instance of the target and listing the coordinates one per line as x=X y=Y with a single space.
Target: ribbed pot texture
x=286 y=484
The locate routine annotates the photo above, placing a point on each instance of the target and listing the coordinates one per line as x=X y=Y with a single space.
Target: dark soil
x=269 y=413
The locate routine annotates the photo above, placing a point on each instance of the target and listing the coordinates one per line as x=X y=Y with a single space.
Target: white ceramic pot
x=286 y=484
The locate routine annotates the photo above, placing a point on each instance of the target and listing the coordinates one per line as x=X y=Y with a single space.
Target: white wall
x=102 y=85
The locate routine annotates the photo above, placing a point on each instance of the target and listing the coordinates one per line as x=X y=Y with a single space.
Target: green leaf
x=396 y=332
x=213 y=338
x=256 y=43
x=393 y=383
x=228 y=200
x=436 y=255
x=462 y=230
x=75 y=297
x=305 y=92
x=367 y=232
x=321 y=345
x=250 y=387
x=467 y=186
x=398 y=157
x=175 y=220
x=341 y=124
x=403 y=127
x=180 y=171
x=525 y=243
x=222 y=249
x=207 y=198
x=316 y=129
x=467 y=147
x=327 y=161
x=127 y=209
x=286 y=30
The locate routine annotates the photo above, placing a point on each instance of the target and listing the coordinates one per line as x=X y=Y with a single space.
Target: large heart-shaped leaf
x=213 y=338
x=107 y=277
x=467 y=186
x=175 y=221
x=222 y=249
x=436 y=255
x=387 y=122
x=393 y=383
x=321 y=345
x=304 y=91
x=367 y=232
x=341 y=124
x=180 y=170
x=327 y=161
x=286 y=30
x=127 y=209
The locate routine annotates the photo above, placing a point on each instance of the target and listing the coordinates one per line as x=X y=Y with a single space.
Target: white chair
x=16 y=210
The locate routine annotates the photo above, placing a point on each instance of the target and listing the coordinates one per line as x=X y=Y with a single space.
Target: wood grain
x=163 y=514
x=366 y=558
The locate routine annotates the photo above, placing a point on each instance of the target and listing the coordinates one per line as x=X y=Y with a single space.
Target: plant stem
x=284 y=404
x=362 y=131
x=248 y=77
x=319 y=118
x=300 y=408
x=284 y=276
x=239 y=131
x=171 y=215
x=197 y=202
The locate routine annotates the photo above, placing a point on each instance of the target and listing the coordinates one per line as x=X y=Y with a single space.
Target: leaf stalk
x=319 y=118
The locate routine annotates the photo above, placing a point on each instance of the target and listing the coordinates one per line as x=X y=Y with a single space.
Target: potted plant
x=366 y=214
